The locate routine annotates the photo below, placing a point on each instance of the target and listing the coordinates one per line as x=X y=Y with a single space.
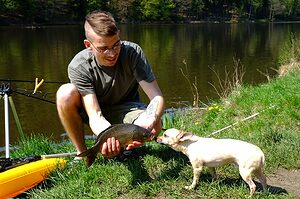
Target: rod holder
x=6 y=115
x=5 y=91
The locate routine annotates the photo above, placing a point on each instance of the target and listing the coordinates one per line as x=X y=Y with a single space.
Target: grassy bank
x=159 y=172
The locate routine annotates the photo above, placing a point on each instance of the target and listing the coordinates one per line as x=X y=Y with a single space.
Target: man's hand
x=111 y=148
x=134 y=144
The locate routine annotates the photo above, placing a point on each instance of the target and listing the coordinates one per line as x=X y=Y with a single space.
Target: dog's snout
x=158 y=140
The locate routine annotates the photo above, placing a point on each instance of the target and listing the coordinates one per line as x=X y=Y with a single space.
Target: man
x=104 y=86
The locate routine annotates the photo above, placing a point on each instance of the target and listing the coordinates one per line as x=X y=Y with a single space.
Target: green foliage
x=95 y=5
x=291 y=7
x=167 y=120
x=37 y=11
x=197 y=5
x=9 y=5
x=157 y=10
x=291 y=51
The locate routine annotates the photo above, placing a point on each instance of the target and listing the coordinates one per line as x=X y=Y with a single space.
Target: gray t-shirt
x=112 y=85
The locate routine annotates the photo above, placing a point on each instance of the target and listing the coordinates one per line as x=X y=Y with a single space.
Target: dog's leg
x=212 y=171
x=262 y=178
x=197 y=168
x=246 y=175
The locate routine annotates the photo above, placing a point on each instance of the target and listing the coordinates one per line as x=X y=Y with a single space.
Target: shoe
x=75 y=161
x=126 y=154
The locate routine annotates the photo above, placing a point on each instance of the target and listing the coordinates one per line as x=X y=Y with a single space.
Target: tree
x=123 y=10
x=96 y=5
x=254 y=7
x=276 y=8
x=157 y=10
x=291 y=7
x=182 y=8
x=197 y=8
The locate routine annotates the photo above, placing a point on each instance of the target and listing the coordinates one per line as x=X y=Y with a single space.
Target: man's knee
x=67 y=94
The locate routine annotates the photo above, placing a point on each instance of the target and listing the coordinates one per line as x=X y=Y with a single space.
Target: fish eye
x=146 y=135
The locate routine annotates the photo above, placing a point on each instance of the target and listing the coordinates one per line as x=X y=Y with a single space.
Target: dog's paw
x=189 y=187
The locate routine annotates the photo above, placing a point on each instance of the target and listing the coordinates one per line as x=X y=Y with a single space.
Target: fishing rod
x=9 y=163
x=30 y=81
x=58 y=155
x=35 y=90
x=242 y=120
x=34 y=97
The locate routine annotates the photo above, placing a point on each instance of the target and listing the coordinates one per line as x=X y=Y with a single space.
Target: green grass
x=160 y=172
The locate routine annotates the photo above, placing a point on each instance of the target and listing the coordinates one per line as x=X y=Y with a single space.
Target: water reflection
x=45 y=53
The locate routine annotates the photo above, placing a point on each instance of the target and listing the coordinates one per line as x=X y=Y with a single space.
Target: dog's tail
x=263 y=161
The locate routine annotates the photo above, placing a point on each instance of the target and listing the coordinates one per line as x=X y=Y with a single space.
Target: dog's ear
x=182 y=136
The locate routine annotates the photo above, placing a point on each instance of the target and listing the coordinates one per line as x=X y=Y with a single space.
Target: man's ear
x=87 y=44
x=182 y=136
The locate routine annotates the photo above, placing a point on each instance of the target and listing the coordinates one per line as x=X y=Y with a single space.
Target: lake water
x=197 y=49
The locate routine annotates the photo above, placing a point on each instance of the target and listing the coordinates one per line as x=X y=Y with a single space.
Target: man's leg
x=68 y=102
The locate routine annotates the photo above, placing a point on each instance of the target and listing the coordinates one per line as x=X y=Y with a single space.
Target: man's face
x=106 y=49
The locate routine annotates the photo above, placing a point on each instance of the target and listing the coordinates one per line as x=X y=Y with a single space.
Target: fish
x=125 y=133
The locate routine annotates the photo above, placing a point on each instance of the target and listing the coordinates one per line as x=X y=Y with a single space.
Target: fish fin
x=111 y=126
x=86 y=153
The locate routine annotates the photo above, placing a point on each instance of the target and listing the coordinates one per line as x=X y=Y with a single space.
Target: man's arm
x=151 y=119
x=98 y=123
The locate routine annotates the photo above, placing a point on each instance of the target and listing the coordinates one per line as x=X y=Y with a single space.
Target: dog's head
x=173 y=137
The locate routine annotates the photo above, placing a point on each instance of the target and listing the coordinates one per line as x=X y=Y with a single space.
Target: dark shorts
x=124 y=113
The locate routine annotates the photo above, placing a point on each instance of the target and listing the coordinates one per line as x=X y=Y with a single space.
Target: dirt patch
x=283 y=180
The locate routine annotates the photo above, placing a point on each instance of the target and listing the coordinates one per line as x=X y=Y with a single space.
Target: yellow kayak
x=19 y=179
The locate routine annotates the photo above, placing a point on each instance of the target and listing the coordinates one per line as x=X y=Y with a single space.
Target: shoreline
x=70 y=23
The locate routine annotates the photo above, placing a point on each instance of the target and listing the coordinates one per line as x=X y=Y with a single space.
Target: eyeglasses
x=106 y=50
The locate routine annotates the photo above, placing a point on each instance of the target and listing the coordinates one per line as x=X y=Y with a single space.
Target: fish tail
x=90 y=159
x=90 y=155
